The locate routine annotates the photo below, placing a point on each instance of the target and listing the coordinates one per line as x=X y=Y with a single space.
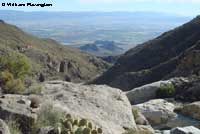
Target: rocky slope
x=174 y=53
x=48 y=57
x=106 y=107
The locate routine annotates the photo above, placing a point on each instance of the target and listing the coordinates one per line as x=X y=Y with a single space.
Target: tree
x=16 y=63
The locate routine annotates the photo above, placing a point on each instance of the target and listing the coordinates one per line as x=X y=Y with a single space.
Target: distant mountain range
x=77 y=28
x=103 y=48
x=173 y=54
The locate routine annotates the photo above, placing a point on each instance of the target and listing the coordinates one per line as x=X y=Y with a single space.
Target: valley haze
x=80 y=28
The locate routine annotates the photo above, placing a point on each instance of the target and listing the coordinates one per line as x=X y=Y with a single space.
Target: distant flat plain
x=79 y=28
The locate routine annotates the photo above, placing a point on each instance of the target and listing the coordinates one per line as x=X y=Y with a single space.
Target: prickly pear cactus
x=72 y=125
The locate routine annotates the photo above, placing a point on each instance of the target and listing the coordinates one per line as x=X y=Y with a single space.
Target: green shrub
x=5 y=77
x=34 y=89
x=14 y=87
x=16 y=63
x=9 y=84
x=49 y=116
x=165 y=91
x=135 y=113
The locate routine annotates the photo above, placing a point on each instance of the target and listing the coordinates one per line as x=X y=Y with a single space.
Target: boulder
x=185 y=130
x=145 y=93
x=148 y=92
x=108 y=108
x=4 y=128
x=17 y=107
x=160 y=114
x=191 y=110
x=157 y=111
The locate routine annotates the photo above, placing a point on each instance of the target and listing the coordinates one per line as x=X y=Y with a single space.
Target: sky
x=181 y=7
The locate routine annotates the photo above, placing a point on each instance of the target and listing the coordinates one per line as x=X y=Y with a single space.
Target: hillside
x=174 y=53
x=48 y=57
x=102 y=48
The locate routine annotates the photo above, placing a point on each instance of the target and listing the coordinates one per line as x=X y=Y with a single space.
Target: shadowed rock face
x=163 y=57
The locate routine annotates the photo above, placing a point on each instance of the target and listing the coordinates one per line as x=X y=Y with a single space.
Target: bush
x=13 y=126
x=49 y=116
x=135 y=112
x=9 y=84
x=165 y=91
x=34 y=89
x=5 y=77
x=14 y=87
x=16 y=63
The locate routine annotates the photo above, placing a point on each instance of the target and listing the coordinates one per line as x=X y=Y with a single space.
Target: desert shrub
x=9 y=84
x=14 y=87
x=5 y=77
x=35 y=88
x=132 y=131
x=16 y=63
x=135 y=112
x=165 y=91
x=49 y=116
x=13 y=126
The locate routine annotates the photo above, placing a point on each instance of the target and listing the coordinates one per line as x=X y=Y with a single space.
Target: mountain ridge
x=137 y=62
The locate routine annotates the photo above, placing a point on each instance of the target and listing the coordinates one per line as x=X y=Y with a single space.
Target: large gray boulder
x=160 y=114
x=185 y=130
x=191 y=110
x=157 y=111
x=4 y=128
x=148 y=92
x=145 y=93
x=106 y=107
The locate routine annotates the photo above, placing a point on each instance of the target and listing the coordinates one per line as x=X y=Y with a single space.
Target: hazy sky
x=183 y=7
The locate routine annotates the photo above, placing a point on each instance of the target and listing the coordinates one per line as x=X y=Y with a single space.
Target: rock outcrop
x=192 y=110
x=157 y=112
x=148 y=92
x=160 y=114
x=18 y=108
x=145 y=93
x=107 y=107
